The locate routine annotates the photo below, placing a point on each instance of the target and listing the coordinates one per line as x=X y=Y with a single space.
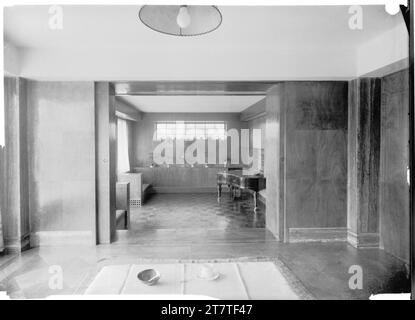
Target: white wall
x=11 y=59
x=383 y=50
x=199 y=62
x=213 y=63
x=255 y=43
x=191 y=63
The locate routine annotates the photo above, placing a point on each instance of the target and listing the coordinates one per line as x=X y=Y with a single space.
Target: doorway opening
x=188 y=181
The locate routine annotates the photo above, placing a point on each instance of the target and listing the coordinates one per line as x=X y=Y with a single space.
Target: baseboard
x=62 y=238
x=184 y=190
x=16 y=245
x=317 y=234
x=363 y=240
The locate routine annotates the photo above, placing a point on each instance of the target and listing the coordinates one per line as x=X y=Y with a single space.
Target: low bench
x=138 y=189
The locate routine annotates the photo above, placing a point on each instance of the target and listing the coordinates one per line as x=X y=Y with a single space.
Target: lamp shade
x=181 y=20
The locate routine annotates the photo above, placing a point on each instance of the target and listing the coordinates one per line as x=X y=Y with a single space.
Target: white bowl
x=207 y=272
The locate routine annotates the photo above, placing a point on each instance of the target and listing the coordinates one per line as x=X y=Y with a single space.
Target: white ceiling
x=109 y=43
x=103 y=26
x=191 y=103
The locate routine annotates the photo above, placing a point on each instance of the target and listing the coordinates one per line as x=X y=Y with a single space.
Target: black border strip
x=411 y=147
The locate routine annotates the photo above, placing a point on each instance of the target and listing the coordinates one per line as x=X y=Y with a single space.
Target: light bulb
x=183 y=18
x=392 y=8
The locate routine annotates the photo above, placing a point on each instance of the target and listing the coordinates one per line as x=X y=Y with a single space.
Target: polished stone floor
x=322 y=268
x=167 y=229
x=197 y=211
x=186 y=219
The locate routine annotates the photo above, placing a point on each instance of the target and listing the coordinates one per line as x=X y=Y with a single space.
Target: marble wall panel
x=61 y=149
x=363 y=160
x=106 y=160
x=316 y=154
x=318 y=105
x=306 y=156
x=394 y=153
x=330 y=160
x=274 y=161
x=16 y=212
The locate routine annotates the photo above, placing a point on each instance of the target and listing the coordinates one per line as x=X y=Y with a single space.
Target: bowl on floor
x=149 y=276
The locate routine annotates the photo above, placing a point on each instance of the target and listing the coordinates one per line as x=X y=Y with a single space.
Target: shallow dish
x=149 y=276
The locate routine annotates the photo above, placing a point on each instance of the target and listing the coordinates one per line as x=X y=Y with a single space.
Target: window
x=189 y=131
x=123 y=162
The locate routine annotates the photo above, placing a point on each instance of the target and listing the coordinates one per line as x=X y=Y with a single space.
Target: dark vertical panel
x=394 y=159
x=316 y=160
x=363 y=161
x=352 y=194
x=368 y=146
x=16 y=215
x=306 y=161
x=106 y=146
x=411 y=99
x=113 y=161
x=24 y=159
x=12 y=213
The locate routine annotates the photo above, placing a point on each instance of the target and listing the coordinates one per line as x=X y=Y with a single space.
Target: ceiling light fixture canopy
x=181 y=20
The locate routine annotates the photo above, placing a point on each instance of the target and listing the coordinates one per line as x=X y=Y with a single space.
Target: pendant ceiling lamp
x=181 y=20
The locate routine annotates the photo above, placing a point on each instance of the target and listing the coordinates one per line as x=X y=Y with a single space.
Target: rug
x=237 y=280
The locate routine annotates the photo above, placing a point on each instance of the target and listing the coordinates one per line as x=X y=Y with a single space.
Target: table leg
x=255 y=201
x=219 y=191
